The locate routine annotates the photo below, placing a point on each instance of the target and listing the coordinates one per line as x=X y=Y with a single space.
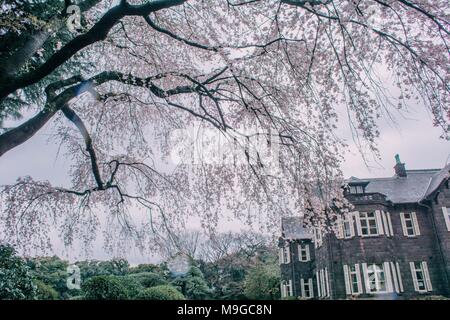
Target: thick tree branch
x=97 y=33
x=76 y=120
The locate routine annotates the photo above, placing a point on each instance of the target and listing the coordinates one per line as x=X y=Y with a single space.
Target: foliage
x=148 y=279
x=45 y=292
x=52 y=271
x=91 y=268
x=263 y=283
x=164 y=292
x=16 y=282
x=105 y=288
x=193 y=284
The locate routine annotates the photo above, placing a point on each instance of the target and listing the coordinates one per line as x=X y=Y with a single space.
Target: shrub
x=131 y=286
x=45 y=292
x=262 y=283
x=164 y=292
x=148 y=279
x=16 y=282
x=104 y=288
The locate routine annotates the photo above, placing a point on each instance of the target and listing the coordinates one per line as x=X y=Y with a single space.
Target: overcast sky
x=413 y=137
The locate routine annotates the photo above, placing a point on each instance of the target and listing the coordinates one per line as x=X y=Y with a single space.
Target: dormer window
x=356 y=189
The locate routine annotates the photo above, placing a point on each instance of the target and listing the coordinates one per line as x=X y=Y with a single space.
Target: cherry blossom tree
x=270 y=79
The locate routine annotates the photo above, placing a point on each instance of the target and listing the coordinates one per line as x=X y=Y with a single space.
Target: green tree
x=193 y=284
x=148 y=279
x=105 y=288
x=46 y=292
x=16 y=281
x=262 y=283
x=164 y=292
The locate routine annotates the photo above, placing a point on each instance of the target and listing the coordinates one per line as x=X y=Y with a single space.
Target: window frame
x=304 y=248
x=376 y=273
x=367 y=220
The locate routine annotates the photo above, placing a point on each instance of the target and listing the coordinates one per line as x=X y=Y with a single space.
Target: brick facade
x=382 y=262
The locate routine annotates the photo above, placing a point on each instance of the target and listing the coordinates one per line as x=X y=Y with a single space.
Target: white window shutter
x=358 y=278
x=327 y=283
x=299 y=248
x=415 y=224
x=385 y=224
x=302 y=286
x=308 y=255
x=290 y=288
x=388 y=277
x=391 y=230
x=366 y=277
x=283 y=289
x=288 y=254
x=427 y=276
x=394 y=277
x=399 y=276
x=358 y=224
x=311 y=291
x=379 y=222
x=414 y=276
x=281 y=255
x=319 y=291
x=446 y=213
x=402 y=218
x=347 y=280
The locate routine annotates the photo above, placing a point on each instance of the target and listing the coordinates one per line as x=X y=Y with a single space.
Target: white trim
x=415 y=224
x=394 y=277
x=414 y=277
x=388 y=277
x=290 y=288
x=358 y=278
x=446 y=214
x=366 y=277
x=379 y=222
x=385 y=224
x=399 y=276
x=319 y=291
x=358 y=223
x=388 y=215
x=402 y=218
x=427 y=276
x=347 y=280
x=327 y=282
x=307 y=253
x=302 y=287
x=311 y=288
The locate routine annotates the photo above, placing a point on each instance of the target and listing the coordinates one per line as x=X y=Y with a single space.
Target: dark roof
x=416 y=186
x=292 y=228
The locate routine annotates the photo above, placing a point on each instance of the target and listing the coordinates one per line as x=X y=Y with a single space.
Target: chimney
x=399 y=168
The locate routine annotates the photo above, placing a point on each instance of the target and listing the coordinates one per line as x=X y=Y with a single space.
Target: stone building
x=394 y=245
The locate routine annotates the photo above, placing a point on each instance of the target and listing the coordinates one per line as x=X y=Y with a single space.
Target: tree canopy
x=267 y=80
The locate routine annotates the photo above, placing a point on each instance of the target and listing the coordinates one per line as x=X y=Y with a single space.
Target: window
x=421 y=277
x=286 y=288
x=355 y=189
x=446 y=212
x=376 y=278
x=303 y=250
x=307 y=288
x=355 y=279
x=352 y=277
x=285 y=256
x=409 y=224
x=368 y=221
x=347 y=224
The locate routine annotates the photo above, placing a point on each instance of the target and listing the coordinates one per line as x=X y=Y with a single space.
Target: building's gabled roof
x=292 y=228
x=416 y=186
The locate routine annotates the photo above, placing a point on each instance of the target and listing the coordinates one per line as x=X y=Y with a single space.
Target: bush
x=131 y=286
x=104 y=288
x=262 y=283
x=16 y=281
x=148 y=279
x=161 y=293
x=45 y=292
